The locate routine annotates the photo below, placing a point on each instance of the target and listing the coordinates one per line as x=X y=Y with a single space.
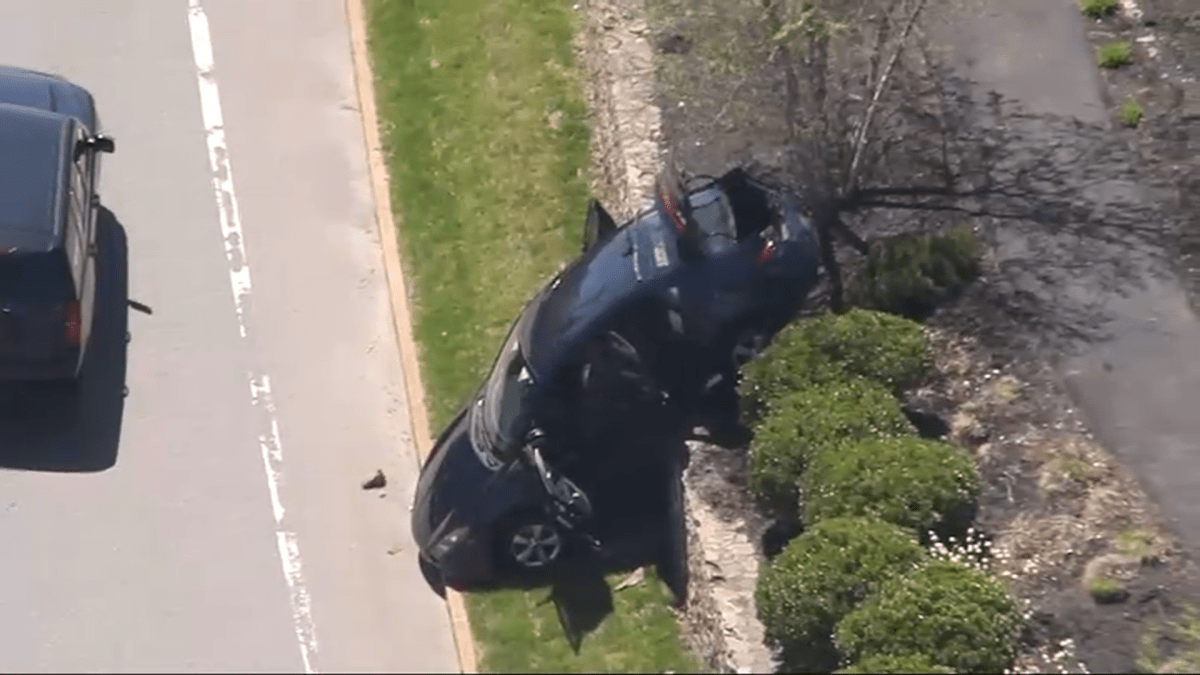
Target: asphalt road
x=201 y=523
x=1137 y=380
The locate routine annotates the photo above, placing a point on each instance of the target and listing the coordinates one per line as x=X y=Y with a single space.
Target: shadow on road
x=44 y=429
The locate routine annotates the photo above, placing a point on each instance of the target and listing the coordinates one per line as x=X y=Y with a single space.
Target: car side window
x=615 y=374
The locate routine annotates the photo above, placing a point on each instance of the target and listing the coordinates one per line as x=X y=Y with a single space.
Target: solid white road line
x=239 y=281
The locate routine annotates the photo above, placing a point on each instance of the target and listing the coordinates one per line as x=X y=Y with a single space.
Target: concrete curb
x=402 y=319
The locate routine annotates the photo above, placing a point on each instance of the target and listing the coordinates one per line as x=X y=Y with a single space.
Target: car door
x=82 y=188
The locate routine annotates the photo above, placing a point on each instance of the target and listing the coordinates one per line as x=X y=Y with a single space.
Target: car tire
x=530 y=542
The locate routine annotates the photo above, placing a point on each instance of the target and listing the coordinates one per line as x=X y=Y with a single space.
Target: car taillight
x=769 y=249
x=74 y=324
x=673 y=210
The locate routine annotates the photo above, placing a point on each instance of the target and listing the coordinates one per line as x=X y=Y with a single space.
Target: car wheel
x=531 y=542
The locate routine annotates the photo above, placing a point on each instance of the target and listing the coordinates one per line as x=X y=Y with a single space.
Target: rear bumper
x=64 y=368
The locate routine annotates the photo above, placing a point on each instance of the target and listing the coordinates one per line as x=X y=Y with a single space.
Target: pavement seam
x=397 y=290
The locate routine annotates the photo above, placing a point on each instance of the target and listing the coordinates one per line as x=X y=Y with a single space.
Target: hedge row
x=954 y=615
x=816 y=420
x=879 y=347
x=858 y=586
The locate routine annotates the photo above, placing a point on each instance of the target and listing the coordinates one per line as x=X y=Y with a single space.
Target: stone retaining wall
x=719 y=621
x=618 y=68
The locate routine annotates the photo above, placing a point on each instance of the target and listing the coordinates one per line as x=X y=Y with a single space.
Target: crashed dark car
x=652 y=314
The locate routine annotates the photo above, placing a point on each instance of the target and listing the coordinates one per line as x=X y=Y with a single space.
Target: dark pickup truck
x=49 y=169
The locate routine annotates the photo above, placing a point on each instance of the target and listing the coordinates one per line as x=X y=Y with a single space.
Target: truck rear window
x=36 y=277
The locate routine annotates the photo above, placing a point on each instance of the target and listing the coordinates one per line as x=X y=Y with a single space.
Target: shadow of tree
x=1073 y=222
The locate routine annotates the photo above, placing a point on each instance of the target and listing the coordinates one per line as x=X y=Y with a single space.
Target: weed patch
x=1098 y=9
x=1115 y=54
x=1130 y=113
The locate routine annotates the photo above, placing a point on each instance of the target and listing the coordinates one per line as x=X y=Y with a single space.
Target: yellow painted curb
x=402 y=319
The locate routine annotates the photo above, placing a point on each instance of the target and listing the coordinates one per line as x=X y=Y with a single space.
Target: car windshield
x=715 y=220
x=503 y=412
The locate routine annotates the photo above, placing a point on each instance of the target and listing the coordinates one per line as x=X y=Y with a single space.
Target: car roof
x=35 y=151
x=567 y=309
x=51 y=93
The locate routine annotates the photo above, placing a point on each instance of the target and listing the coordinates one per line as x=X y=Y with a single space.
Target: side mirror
x=599 y=225
x=534 y=441
x=102 y=143
x=567 y=503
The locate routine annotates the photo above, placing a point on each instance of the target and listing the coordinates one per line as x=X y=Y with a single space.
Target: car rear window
x=36 y=277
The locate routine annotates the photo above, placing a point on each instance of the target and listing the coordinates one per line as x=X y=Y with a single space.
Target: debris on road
x=377 y=481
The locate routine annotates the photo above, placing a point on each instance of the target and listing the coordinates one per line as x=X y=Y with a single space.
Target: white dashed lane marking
x=239 y=280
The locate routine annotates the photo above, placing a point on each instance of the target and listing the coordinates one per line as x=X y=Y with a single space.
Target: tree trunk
x=825 y=234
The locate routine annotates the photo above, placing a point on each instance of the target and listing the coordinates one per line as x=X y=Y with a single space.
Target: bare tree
x=861 y=105
x=867 y=111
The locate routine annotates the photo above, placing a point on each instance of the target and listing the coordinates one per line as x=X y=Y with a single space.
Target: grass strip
x=486 y=137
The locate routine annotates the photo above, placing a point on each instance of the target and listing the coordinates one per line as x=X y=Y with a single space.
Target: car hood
x=453 y=484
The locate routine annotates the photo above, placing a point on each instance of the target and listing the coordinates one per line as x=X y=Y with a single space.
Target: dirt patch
x=1164 y=82
x=1057 y=507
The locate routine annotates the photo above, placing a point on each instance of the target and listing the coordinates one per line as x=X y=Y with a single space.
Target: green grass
x=485 y=133
x=1131 y=113
x=484 y=124
x=1115 y=54
x=1107 y=590
x=640 y=635
x=1096 y=9
x=1182 y=633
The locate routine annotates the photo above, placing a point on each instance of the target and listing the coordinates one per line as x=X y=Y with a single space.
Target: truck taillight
x=769 y=249
x=74 y=324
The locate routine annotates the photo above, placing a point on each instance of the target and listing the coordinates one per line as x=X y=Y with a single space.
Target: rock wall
x=618 y=67
x=724 y=553
x=719 y=621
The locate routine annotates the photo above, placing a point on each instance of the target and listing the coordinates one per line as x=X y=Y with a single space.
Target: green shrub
x=1107 y=591
x=908 y=663
x=821 y=576
x=912 y=482
x=874 y=345
x=1097 y=9
x=807 y=421
x=790 y=363
x=956 y=616
x=1115 y=54
x=882 y=347
x=911 y=274
x=1131 y=113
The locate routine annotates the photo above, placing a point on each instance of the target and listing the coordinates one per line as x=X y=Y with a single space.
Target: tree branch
x=861 y=136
